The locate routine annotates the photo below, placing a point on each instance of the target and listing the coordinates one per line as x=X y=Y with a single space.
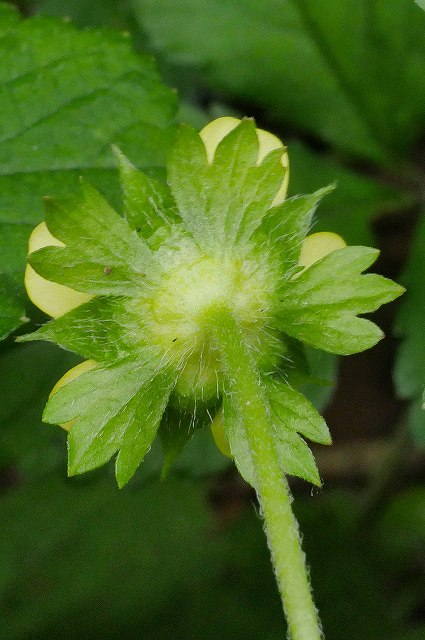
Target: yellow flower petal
x=214 y=132
x=318 y=245
x=52 y=298
x=217 y=429
x=70 y=375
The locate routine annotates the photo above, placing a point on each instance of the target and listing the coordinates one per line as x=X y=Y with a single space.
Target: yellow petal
x=70 y=375
x=217 y=429
x=52 y=298
x=214 y=132
x=269 y=142
x=318 y=245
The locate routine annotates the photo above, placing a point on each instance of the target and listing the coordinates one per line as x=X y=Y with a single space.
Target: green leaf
x=223 y=202
x=285 y=226
x=295 y=456
x=102 y=255
x=240 y=191
x=77 y=93
x=315 y=67
x=320 y=306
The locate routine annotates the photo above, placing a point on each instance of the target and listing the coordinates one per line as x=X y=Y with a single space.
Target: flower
x=56 y=299
x=213 y=267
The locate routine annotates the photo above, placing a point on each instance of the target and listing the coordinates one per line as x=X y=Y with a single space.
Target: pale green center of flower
x=179 y=312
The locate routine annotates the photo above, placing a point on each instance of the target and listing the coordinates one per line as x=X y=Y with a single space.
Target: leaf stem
x=242 y=381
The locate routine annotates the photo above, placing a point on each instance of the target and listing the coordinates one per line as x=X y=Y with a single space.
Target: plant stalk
x=242 y=380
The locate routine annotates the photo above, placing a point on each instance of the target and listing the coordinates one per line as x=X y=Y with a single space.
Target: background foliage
x=342 y=83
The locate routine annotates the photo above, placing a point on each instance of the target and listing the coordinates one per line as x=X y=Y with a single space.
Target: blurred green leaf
x=403 y=525
x=12 y=309
x=110 y=13
x=65 y=97
x=28 y=373
x=410 y=365
x=409 y=374
x=318 y=67
x=83 y=560
x=94 y=562
x=356 y=200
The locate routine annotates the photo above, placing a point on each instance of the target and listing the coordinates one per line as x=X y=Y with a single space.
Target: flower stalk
x=242 y=380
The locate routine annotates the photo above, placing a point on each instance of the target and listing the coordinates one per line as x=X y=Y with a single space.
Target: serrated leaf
x=223 y=202
x=102 y=255
x=240 y=191
x=295 y=457
x=285 y=226
x=186 y=177
x=320 y=305
x=317 y=67
x=65 y=97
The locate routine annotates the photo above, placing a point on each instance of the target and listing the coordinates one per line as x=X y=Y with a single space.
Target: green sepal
x=148 y=203
x=295 y=457
x=177 y=428
x=186 y=176
x=223 y=202
x=291 y=411
x=102 y=254
x=285 y=226
x=320 y=305
x=114 y=408
x=141 y=431
x=103 y=329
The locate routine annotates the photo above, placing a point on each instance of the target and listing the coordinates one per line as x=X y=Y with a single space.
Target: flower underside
x=145 y=299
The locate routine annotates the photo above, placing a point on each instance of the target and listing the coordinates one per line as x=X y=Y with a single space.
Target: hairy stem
x=242 y=381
